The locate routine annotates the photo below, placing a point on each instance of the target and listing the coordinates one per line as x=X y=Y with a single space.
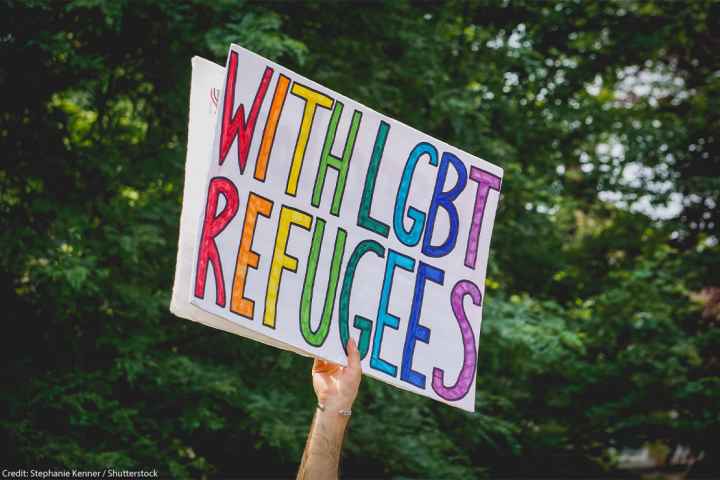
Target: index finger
x=322 y=366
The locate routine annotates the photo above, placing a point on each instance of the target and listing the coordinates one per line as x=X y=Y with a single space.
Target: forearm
x=321 y=458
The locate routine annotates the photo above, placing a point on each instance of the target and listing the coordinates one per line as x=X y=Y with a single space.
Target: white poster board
x=308 y=218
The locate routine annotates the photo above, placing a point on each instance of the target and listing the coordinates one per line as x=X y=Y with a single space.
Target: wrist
x=332 y=416
x=345 y=412
x=335 y=404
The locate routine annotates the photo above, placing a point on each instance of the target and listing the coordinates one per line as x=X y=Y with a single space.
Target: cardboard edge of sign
x=196 y=168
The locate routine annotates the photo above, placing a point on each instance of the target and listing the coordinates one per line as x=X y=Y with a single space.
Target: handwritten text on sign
x=324 y=219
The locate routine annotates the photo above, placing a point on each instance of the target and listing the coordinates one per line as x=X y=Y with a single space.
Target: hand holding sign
x=322 y=220
x=336 y=386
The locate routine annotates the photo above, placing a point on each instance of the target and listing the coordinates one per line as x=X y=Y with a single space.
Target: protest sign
x=316 y=219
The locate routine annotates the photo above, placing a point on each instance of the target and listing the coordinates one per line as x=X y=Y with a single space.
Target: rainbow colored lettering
x=323 y=220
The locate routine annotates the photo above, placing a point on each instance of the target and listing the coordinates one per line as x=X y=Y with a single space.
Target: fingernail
x=352 y=343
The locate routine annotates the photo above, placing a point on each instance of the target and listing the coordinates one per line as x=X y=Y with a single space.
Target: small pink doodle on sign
x=214 y=98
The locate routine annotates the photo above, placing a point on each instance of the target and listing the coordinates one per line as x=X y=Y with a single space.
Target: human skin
x=336 y=388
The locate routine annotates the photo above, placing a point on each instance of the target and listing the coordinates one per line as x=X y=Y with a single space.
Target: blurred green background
x=600 y=330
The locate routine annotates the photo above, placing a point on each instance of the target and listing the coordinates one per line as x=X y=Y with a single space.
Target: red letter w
x=235 y=125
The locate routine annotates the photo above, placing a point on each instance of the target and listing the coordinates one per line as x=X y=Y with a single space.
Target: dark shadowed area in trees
x=603 y=294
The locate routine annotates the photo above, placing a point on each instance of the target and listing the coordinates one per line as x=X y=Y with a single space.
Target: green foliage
x=596 y=333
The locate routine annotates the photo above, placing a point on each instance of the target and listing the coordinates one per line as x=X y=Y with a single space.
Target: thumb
x=353 y=356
